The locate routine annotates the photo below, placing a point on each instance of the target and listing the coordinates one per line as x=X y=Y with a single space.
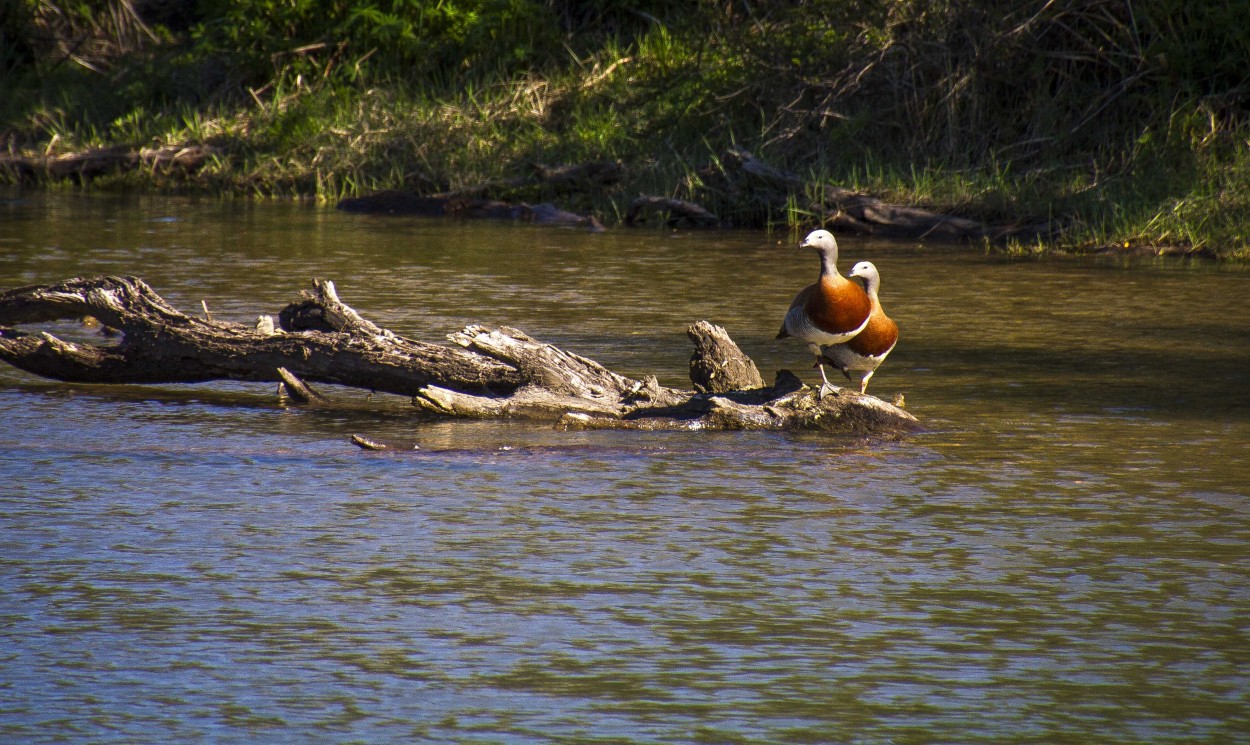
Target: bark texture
x=718 y=365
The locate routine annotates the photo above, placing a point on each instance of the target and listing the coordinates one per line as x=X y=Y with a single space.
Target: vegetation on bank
x=1124 y=123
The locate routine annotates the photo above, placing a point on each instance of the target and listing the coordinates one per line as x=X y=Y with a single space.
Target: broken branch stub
x=718 y=365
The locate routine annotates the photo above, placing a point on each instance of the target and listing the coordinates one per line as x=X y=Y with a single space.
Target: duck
x=868 y=349
x=830 y=311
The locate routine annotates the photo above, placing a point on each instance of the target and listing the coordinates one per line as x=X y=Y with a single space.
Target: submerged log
x=787 y=405
x=487 y=373
x=297 y=389
x=458 y=206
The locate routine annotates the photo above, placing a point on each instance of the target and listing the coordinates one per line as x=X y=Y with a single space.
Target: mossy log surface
x=484 y=373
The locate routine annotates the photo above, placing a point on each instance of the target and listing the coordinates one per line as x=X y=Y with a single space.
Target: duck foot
x=826 y=389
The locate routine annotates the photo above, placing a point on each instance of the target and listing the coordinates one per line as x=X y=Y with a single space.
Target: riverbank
x=1095 y=127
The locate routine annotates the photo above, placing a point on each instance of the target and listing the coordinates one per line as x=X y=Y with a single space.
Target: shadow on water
x=1211 y=383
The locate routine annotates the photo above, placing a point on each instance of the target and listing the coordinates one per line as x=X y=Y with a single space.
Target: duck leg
x=845 y=370
x=826 y=387
x=863 y=383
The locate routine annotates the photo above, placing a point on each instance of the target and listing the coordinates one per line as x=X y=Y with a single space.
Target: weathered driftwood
x=160 y=344
x=488 y=373
x=297 y=389
x=848 y=211
x=96 y=162
x=474 y=203
x=718 y=365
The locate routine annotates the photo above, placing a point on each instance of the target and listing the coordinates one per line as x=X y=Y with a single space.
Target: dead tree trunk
x=489 y=373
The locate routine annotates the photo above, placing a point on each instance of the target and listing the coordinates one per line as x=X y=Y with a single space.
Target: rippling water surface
x=1062 y=556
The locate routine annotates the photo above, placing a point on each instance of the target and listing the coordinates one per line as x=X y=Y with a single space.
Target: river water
x=1063 y=555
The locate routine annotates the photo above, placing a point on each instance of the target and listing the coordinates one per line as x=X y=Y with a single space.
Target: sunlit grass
x=666 y=103
x=298 y=140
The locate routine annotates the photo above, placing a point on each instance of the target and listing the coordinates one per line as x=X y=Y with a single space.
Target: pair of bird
x=838 y=316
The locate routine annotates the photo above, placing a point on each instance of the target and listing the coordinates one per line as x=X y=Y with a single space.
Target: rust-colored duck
x=865 y=352
x=831 y=311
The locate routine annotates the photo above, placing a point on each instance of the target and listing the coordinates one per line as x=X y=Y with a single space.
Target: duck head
x=822 y=241
x=866 y=271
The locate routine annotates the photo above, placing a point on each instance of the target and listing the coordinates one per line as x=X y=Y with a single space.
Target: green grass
x=1102 y=117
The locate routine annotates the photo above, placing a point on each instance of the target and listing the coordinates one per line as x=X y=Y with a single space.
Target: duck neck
x=829 y=265
x=871 y=286
x=876 y=302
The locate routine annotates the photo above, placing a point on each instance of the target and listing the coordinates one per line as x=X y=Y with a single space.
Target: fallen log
x=486 y=373
x=93 y=163
x=849 y=211
x=741 y=177
x=677 y=212
x=579 y=176
x=392 y=202
x=159 y=344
